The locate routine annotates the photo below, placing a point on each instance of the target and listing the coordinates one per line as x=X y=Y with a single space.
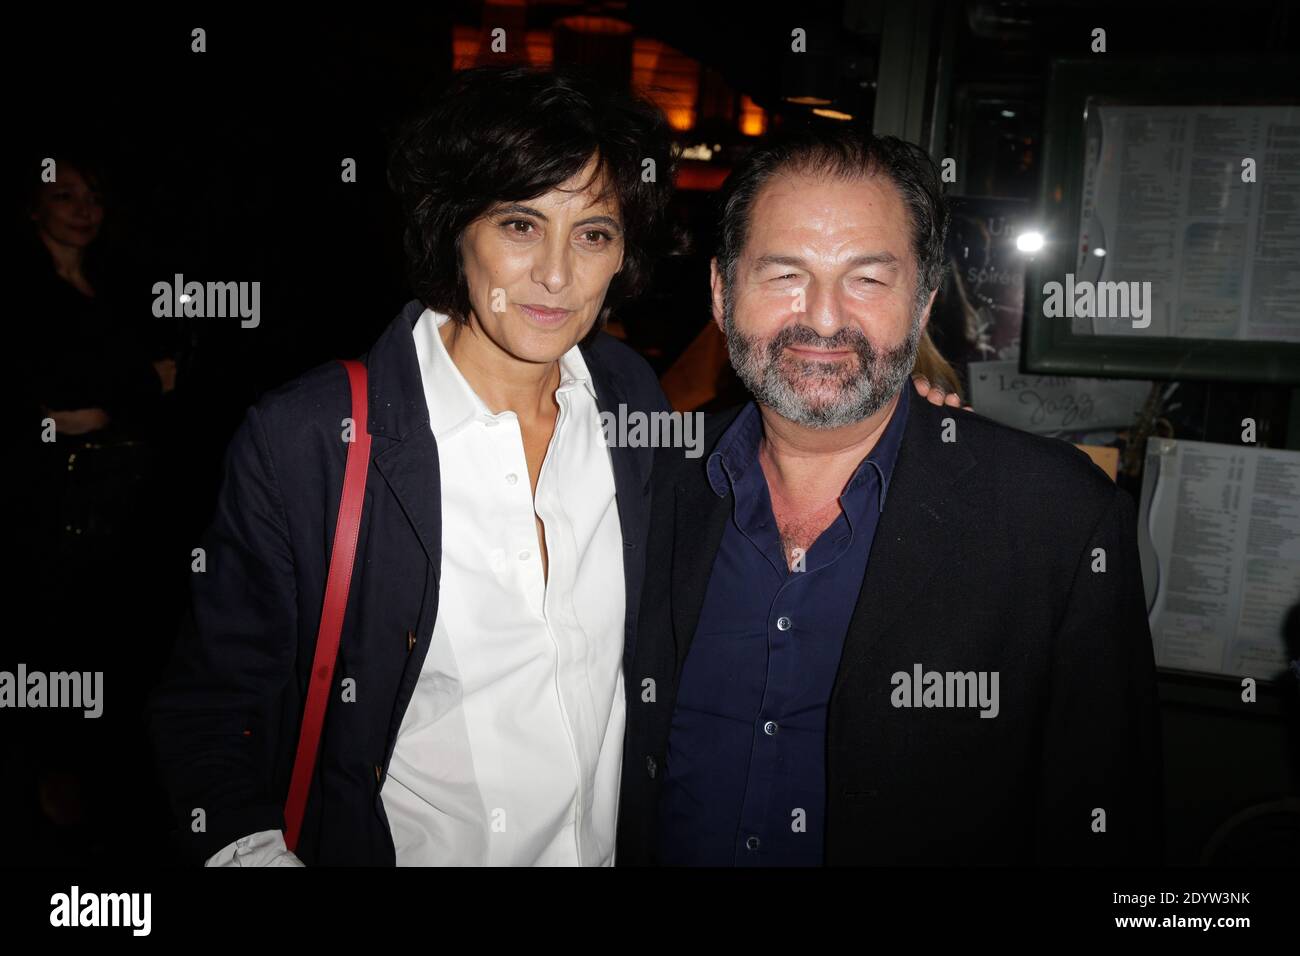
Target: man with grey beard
x=875 y=630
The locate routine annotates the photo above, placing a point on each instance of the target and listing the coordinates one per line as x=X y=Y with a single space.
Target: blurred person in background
x=94 y=378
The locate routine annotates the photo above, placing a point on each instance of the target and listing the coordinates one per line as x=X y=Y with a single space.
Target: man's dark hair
x=848 y=153
x=512 y=134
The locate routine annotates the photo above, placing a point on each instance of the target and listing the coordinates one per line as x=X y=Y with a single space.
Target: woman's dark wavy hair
x=512 y=134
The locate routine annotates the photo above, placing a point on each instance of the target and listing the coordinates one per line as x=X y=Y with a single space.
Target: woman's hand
x=935 y=394
x=78 y=421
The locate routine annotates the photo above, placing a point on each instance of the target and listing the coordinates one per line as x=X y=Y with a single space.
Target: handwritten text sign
x=1053 y=403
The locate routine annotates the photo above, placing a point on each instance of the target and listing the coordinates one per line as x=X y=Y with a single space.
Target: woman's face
x=69 y=211
x=537 y=271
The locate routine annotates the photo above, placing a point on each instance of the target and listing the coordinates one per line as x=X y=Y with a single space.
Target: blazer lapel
x=926 y=516
x=411 y=469
x=699 y=520
x=405 y=452
x=631 y=467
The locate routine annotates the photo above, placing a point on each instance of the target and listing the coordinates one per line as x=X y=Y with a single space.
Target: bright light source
x=1009 y=113
x=185 y=297
x=1099 y=252
x=1029 y=241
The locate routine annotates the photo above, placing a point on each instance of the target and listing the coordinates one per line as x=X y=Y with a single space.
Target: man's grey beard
x=863 y=385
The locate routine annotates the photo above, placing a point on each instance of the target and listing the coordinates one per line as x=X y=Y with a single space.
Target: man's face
x=537 y=271
x=823 y=321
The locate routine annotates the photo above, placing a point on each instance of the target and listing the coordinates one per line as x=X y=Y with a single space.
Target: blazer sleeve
x=212 y=718
x=1101 y=749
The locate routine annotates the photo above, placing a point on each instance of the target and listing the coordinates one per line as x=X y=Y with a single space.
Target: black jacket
x=81 y=352
x=983 y=561
x=225 y=721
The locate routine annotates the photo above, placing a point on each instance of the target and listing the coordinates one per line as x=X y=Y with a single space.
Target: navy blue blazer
x=225 y=719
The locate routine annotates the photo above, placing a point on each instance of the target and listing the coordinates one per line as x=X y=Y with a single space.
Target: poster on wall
x=983 y=313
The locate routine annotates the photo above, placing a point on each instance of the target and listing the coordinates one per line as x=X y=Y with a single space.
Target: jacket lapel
x=631 y=466
x=405 y=452
x=411 y=469
x=699 y=521
x=926 y=516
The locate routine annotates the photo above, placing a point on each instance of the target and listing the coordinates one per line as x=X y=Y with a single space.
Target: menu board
x=1220 y=541
x=1199 y=206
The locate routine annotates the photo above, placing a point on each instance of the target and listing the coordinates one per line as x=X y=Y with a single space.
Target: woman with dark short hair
x=478 y=707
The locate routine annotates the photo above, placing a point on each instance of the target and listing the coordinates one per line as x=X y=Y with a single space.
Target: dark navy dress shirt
x=745 y=782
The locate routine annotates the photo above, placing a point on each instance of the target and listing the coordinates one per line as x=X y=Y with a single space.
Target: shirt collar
x=452 y=402
x=737 y=449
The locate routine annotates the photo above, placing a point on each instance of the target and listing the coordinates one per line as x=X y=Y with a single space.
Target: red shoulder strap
x=346 y=530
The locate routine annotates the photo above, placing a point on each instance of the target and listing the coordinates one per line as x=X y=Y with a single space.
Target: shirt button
x=523 y=555
x=783 y=624
x=512 y=478
x=752 y=843
x=770 y=728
